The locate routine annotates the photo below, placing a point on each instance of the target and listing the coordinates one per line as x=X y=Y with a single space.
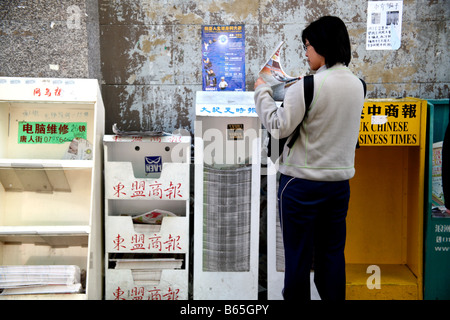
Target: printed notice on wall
x=384 y=25
x=223 y=58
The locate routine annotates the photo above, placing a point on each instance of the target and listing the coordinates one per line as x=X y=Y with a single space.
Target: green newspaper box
x=437 y=222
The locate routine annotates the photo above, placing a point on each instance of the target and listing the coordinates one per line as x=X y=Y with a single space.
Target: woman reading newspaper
x=314 y=187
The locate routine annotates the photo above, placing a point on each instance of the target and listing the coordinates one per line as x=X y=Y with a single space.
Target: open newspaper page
x=437 y=191
x=273 y=74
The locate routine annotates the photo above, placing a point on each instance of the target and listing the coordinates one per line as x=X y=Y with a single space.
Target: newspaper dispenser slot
x=227 y=187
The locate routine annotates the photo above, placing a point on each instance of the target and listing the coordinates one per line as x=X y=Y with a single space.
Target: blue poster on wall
x=223 y=58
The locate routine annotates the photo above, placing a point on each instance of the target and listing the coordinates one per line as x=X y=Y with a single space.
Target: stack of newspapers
x=227 y=195
x=147 y=272
x=39 y=279
x=279 y=245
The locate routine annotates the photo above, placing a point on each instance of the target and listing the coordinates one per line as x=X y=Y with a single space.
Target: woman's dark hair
x=329 y=37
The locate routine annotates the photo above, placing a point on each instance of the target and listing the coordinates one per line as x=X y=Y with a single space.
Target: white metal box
x=144 y=174
x=227 y=187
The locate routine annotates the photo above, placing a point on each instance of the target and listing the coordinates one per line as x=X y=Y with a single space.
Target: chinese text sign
x=50 y=132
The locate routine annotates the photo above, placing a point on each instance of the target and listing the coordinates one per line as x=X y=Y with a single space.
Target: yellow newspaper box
x=385 y=217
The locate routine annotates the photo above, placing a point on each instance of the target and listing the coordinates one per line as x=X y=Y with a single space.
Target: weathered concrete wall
x=151 y=51
x=150 y=62
x=49 y=38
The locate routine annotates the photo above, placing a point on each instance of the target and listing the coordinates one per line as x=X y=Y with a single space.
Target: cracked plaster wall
x=151 y=51
x=147 y=53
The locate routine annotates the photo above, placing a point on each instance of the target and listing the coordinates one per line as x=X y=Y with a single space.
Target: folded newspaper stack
x=39 y=279
x=227 y=194
x=147 y=272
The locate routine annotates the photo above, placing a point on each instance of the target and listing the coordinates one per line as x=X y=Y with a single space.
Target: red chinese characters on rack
x=47 y=92
x=142 y=293
x=154 y=243
x=141 y=189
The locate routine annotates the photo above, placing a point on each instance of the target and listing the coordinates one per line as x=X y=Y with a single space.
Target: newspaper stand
x=144 y=173
x=437 y=225
x=385 y=217
x=227 y=187
x=50 y=194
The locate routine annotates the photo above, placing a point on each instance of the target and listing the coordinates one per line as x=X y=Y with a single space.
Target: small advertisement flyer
x=223 y=58
x=384 y=25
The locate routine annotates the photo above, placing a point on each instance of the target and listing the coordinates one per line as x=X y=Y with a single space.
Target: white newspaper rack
x=227 y=195
x=147 y=217
x=50 y=180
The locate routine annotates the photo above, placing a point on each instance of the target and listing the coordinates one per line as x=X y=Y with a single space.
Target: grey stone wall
x=147 y=53
x=49 y=38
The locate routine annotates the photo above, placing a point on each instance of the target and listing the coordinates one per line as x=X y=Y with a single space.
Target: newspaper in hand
x=273 y=74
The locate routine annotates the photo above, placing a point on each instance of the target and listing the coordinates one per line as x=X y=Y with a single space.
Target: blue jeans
x=312 y=216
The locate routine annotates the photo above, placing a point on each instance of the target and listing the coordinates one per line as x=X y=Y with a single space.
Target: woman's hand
x=258 y=82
